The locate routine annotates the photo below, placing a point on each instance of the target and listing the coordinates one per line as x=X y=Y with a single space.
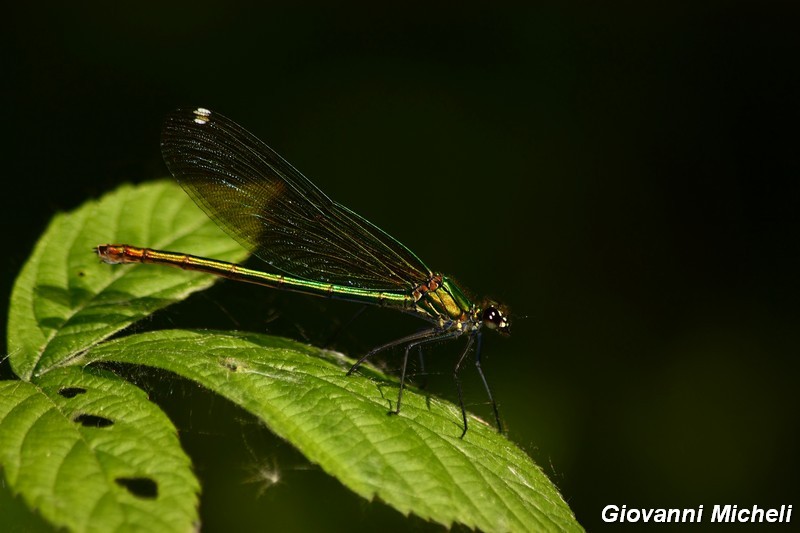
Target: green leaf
x=90 y=452
x=65 y=299
x=415 y=462
x=66 y=304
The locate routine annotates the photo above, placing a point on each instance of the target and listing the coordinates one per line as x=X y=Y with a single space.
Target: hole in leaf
x=71 y=392
x=230 y=365
x=93 y=421
x=143 y=487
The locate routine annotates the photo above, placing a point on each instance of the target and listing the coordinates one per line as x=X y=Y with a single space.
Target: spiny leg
x=418 y=344
x=402 y=380
x=486 y=383
x=424 y=334
x=456 y=370
x=423 y=382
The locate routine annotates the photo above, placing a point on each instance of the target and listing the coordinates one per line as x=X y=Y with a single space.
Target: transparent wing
x=277 y=213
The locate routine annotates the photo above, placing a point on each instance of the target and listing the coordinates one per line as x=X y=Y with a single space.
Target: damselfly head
x=495 y=317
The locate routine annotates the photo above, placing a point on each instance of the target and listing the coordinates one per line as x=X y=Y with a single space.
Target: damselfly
x=313 y=244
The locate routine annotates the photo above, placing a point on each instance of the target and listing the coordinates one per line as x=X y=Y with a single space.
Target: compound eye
x=493 y=318
x=489 y=315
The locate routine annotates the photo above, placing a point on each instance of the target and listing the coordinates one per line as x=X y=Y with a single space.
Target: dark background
x=625 y=178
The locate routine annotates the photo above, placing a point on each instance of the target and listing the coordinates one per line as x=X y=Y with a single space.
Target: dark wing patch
x=277 y=213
